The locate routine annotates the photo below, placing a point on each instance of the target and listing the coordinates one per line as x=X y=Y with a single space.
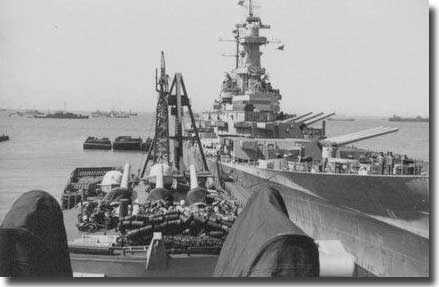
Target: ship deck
x=385 y=229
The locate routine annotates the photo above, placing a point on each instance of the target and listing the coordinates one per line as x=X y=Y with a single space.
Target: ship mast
x=250 y=8
x=249 y=69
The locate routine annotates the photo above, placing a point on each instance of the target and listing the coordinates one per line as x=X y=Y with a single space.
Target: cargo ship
x=376 y=203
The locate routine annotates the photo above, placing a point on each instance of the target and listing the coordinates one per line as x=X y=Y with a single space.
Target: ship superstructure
x=248 y=105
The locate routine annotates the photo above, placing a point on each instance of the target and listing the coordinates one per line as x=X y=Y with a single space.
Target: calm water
x=43 y=152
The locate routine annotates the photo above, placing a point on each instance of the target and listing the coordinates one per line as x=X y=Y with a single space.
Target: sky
x=367 y=57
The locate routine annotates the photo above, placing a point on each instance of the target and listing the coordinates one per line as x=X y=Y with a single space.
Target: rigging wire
x=151 y=129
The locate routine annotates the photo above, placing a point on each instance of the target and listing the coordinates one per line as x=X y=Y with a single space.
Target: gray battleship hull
x=383 y=221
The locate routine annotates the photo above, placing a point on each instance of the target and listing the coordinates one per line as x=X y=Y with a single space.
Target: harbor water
x=41 y=153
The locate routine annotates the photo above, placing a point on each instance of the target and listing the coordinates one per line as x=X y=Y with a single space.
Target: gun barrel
x=310 y=122
x=358 y=136
x=309 y=118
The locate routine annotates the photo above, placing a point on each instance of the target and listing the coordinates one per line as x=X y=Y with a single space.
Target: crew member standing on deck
x=390 y=162
x=381 y=163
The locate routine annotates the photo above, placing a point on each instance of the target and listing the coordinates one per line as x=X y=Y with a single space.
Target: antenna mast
x=250 y=8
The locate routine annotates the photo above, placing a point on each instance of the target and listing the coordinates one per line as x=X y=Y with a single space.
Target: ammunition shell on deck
x=147 y=230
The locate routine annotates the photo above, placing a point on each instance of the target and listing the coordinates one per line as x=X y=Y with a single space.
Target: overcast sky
x=355 y=57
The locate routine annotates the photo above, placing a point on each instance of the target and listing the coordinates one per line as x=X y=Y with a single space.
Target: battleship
x=377 y=204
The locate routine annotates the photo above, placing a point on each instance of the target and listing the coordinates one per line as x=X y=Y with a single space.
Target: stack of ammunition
x=206 y=221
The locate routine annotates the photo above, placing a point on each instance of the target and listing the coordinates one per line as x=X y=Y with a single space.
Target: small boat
x=97 y=143
x=127 y=143
x=4 y=138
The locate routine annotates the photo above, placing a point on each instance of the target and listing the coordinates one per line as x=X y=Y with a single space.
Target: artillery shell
x=147 y=230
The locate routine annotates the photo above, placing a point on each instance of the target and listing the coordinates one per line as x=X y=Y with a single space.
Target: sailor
x=390 y=162
x=301 y=154
x=381 y=163
x=362 y=171
x=285 y=162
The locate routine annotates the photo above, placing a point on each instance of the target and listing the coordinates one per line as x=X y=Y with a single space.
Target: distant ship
x=119 y=114
x=396 y=118
x=112 y=114
x=61 y=115
x=27 y=113
x=99 y=114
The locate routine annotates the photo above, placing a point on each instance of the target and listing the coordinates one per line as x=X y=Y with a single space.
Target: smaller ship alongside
x=97 y=143
x=61 y=115
x=396 y=118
